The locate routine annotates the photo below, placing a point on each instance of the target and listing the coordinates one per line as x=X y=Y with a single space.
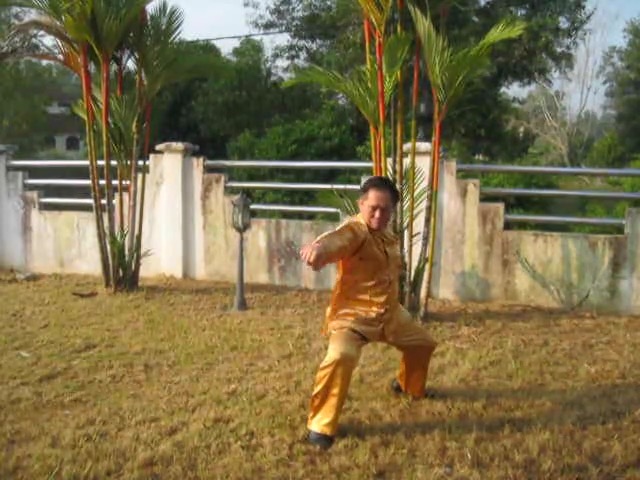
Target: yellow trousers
x=345 y=345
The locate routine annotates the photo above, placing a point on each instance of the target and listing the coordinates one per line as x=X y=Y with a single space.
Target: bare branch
x=562 y=113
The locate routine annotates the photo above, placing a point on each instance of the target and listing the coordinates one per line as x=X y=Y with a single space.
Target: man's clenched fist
x=310 y=254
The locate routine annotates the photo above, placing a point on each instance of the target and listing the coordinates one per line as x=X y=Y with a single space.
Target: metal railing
x=562 y=220
x=557 y=193
x=577 y=171
x=535 y=192
x=54 y=189
x=288 y=164
x=58 y=182
x=68 y=201
x=363 y=166
x=24 y=164
x=293 y=186
x=264 y=207
x=290 y=186
x=462 y=168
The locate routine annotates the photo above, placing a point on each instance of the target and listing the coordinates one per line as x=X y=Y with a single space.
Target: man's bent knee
x=342 y=355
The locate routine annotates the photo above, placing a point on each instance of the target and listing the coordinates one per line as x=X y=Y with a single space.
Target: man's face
x=376 y=207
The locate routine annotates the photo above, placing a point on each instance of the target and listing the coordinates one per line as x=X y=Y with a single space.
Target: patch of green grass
x=168 y=383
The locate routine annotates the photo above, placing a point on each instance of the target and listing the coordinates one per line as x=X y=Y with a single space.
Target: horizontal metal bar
x=594 y=172
x=55 y=182
x=533 y=192
x=292 y=186
x=291 y=208
x=68 y=201
x=57 y=163
x=287 y=164
x=548 y=219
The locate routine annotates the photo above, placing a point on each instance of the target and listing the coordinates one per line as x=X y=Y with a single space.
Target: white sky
x=217 y=18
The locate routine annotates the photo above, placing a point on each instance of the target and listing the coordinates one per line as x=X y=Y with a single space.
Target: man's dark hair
x=381 y=183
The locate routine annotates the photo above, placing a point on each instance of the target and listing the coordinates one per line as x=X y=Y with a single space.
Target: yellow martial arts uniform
x=364 y=308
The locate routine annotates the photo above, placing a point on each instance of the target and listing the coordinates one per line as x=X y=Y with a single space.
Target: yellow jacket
x=367 y=283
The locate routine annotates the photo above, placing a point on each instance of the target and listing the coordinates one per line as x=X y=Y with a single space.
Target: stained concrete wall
x=187 y=231
x=477 y=260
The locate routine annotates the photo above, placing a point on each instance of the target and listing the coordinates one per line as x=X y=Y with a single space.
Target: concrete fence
x=187 y=230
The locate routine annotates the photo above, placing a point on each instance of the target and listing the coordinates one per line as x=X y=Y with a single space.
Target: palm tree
x=98 y=35
x=160 y=60
x=449 y=72
x=376 y=17
x=65 y=23
x=110 y=23
x=370 y=88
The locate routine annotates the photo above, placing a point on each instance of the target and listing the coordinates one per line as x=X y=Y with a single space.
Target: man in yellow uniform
x=365 y=307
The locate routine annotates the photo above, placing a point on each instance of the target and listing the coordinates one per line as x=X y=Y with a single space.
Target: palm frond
x=349 y=206
x=111 y=21
x=357 y=87
x=377 y=11
x=361 y=85
x=396 y=52
x=124 y=118
x=159 y=55
x=419 y=196
x=450 y=71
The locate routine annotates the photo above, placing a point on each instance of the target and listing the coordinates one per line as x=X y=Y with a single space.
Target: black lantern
x=241 y=223
x=241 y=213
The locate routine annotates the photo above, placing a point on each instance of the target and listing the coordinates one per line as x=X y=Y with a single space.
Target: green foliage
x=623 y=87
x=360 y=86
x=328 y=33
x=607 y=152
x=324 y=136
x=27 y=88
x=242 y=94
x=451 y=70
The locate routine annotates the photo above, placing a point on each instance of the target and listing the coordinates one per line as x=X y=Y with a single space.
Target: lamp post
x=241 y=223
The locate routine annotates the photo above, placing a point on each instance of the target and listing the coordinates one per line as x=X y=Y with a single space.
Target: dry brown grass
x=167 y=383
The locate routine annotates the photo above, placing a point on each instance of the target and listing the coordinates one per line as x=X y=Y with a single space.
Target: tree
x=325 y=135
x=116 y=39
x=328 y=33
x=561 y=113
x=449 y=71
x=242 y=94
x=24 y=121
x=622 y=67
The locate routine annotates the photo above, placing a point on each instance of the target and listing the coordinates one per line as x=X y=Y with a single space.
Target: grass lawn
x=167 y=383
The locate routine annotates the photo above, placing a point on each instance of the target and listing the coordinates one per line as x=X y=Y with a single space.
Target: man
x=364 y=307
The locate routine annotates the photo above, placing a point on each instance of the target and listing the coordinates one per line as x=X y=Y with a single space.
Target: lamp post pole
x=241 y=223
x=240 y=301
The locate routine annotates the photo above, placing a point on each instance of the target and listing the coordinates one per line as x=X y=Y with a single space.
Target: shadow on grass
x=582 y=407
x=473 y=314
x=203 y=288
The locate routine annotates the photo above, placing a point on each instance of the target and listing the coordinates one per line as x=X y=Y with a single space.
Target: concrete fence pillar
x=12 y=216
x=629 y=280
x=423 y=167
x=173 y=230
x=456 y=261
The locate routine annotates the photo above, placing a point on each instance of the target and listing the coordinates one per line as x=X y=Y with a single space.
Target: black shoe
x=320 y=440
x=397 y=389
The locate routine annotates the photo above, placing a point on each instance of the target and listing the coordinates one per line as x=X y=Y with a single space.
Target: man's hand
x=310 y=254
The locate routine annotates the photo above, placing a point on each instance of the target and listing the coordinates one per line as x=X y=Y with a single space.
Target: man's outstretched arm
x=335 y=245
